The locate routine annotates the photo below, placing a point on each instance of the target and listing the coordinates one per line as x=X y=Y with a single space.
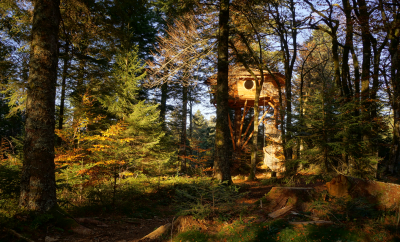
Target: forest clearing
x=201 y=210
x=199 y=120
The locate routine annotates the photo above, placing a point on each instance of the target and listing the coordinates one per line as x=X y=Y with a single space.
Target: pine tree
x=38 y=186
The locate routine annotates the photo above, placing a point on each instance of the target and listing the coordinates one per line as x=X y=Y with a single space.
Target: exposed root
x=18 y=235
x=162 y=229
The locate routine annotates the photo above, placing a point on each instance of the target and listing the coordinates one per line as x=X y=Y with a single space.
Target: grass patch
x=280 y=230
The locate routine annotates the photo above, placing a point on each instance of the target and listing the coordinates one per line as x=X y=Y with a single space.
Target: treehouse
x=242 y=91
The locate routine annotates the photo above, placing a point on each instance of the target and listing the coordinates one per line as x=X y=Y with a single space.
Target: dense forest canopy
x=111 y=89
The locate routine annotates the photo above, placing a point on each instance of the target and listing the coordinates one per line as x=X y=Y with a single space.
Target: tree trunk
x=395 y=73
x=254 y=147
x=63 y=85
x=346 y=50
x=191 y=122
x=238 y=134
x=38 y=187
x=290 y=58
x=222 y=161
x=182 y=151
x=163 y=104
x=366 y=65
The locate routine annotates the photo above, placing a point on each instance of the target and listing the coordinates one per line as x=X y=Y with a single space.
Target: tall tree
x=223 y=157
x=38 y=187
x=394 y=43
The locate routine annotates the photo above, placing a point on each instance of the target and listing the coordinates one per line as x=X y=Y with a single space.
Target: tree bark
x=222 y=161
x=394 y=159
x=254 y=147
x=163 y=104
x=63 y=84
x=363 y=17
x=182 y=151
x=38 y=187
x=238 y=134
x=346 y=50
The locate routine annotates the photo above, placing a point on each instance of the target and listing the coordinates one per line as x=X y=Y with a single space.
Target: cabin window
x=249 y=84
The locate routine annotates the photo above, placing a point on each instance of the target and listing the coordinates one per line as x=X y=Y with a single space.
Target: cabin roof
x=240 y=73
x=239 y=96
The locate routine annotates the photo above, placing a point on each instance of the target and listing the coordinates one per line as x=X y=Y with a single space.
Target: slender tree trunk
x=63 y=84
x=366 y=65
x=346 y=50
x=290 y=58
x=183 y=131
x=254 y=147
x=238 y=118
x=222 y=161
x=335 y=58
x=190 y=122
x=190 y=116
x=38 y=187
x=357 y=78
x=163 y=104
x=345 y=67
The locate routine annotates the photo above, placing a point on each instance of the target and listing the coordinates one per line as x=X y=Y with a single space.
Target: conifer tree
x=140 y=116
x=223 y=158
x=38 y=186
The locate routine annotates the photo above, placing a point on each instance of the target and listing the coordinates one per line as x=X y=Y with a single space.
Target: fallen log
x=280 y=212
x=158 y=232
x=162 y=229
x=13 y=232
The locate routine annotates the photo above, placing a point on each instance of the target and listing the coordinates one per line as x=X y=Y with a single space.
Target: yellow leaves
x=115 y=129
x=110 y=162
x=95 y=155
x=99 y=148
x=87 y=99
x=69 y=156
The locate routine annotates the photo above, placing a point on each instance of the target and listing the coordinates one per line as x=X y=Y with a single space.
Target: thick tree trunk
x=38 y=187
x=222 y=161
x=395 y=73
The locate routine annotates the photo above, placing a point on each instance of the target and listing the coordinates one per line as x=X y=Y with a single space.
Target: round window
x=249 y=84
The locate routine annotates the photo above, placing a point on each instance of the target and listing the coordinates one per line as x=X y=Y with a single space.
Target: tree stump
x=280 y=197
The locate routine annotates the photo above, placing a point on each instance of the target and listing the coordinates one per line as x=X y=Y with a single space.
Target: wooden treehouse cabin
x=242 y=89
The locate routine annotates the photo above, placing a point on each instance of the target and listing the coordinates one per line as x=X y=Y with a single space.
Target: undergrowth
x=201 y=197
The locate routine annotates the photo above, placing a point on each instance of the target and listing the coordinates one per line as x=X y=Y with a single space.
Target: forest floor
x=246 y=220
x=125 y=229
